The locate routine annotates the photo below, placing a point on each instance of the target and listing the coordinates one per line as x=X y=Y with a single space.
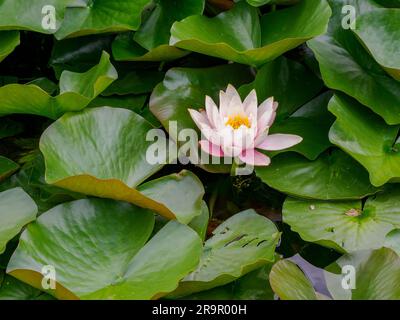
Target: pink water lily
x=237 y=129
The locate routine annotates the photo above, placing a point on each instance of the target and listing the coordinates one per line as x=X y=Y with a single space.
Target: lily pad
x=290 y=283
x=333 y=176
x=277 y=78
x=107 y=241
x=16 y=210
x=77 y=90
x=101 y=16
x=241 y=36
x=346 y=226
x=367 y=138
x=346 y=65
x=9 y=40
x=379 y=30
x=312 y=122
x=103 y=152
x=241 y=244
x=7 y=167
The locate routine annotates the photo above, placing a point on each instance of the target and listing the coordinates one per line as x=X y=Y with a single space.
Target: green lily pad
x=333 y=176
x=241 y=244
x=102 y=152
x=312 y=122
x=379 y=30
x=9 y=40
x=7 y=167
x=101 y=16
x=26 y=15
x=346 y=226
x=346 y=65
x=13 y=289
x=77 y=90
x=240 y=35
x=367 y=138
x=290 y=283
x=377 y=275
x=107 y=241
x=16 y=210
x=151 y=41
x=277 y=78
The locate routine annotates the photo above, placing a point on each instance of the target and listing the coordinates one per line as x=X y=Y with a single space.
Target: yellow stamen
x=237 y=121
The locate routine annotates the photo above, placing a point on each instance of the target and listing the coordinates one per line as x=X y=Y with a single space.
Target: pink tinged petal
x=254 y=158
x=211 y=149
x=230 y=103
x=200 y=118
x=250 y=104
x=272 y=120
x=213 y=113
x=275 y=142
x=266 y=114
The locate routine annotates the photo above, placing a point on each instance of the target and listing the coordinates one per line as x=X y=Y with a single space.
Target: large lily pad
x=312 y=122
x=379 y=30
x=102 y=152
x=241 y=36
x=16 y=210
x=277 y=78
x=333 y=176
x=9 y=40
x=101 y=16
x=107 y=242
x=241 y=244
x=77 y=90
x=346 y=226
x=346 y=65
x=367 y=138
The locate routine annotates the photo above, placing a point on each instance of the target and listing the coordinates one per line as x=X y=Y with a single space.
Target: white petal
x=213 y=113
x=278 y=141
x=250 y=104
x=266 y=113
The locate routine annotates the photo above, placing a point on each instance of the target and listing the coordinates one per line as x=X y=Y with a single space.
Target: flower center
x=237 y=120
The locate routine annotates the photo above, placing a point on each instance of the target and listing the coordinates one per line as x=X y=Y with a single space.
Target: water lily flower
x=237 y=129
